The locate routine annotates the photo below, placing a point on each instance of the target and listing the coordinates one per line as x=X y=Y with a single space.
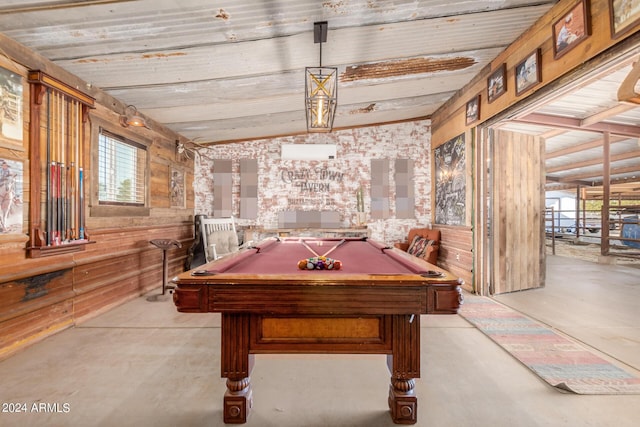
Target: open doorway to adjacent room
x=560 y=174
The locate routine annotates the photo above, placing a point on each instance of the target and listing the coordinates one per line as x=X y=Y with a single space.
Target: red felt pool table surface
x=357 y=256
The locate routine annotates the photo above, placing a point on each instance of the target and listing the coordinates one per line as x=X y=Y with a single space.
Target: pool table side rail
x=304 y=299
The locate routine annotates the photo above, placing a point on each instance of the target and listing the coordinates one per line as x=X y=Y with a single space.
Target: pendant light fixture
x=321 y=88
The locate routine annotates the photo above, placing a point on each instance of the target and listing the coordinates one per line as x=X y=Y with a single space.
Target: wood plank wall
x=41 y=296
x=517 y=228
x=456 y=253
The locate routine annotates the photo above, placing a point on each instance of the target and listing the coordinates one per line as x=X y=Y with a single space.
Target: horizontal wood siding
x=123 y=265
x=33 y=326
x=455 y=253
x=41 y=296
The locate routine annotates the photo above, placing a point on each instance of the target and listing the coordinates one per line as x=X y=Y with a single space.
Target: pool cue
x=61 y=170
x=335 y=247
x=308 y=247
x=49 y=174
x=74 y=172
x=81 y=205
x=80 y=173
x=65 y=168
x=54 y=167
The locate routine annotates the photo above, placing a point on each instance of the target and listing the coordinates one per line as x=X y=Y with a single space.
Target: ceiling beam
x=592 y=162
x=559 y=180
x=576 y=124
x=627 y=92
x=598 y=174
x=595 y=143
x=605 y=114
x=553 y=132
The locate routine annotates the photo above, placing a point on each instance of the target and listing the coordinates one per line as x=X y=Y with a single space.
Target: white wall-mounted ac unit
x=308 y=151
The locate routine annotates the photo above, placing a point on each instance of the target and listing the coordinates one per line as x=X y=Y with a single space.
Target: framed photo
x=571 y=29
x=528 y=72
x=10 y=109
x=624 y=14
x=11 y=196
x=450 y=164
x=497 y=83
x=176 y=188
x=473 y=110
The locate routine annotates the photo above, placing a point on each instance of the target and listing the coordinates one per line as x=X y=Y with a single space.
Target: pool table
x=269 y=304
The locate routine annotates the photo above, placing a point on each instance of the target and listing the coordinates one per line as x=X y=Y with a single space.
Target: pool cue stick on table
x=308 y=247
x=335 y=247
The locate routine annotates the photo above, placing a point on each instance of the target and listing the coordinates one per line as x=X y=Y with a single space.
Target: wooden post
x=606 y=193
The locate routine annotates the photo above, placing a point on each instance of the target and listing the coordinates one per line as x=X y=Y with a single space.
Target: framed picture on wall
x=528 y=72
x=571 y=29
x=11 y=191
x=176 y=188
x=10 y=109
x=473 y=110
x=624 y=14
x=450 y=167
x=497 y=83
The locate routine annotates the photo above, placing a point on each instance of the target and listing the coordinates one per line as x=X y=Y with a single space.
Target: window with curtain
x=121 y=170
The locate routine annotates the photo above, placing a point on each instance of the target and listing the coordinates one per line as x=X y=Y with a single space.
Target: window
x=121 y=171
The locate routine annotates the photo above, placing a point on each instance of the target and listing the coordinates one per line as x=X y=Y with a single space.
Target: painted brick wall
x=327 y=184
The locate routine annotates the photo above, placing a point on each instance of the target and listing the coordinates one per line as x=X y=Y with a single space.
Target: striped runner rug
x=565 y=364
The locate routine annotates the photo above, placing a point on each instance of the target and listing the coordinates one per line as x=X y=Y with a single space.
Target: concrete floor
x=143 y=364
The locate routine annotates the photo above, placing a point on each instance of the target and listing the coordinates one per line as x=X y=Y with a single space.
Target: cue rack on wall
x=58 y=113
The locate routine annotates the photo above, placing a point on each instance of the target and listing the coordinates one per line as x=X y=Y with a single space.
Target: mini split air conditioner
x=308 y=151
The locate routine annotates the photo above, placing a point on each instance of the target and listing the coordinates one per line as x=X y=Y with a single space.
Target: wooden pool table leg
x=236 y=366
x=404 y=364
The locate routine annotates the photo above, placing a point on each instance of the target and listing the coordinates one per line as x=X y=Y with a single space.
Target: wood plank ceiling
x=218 y=71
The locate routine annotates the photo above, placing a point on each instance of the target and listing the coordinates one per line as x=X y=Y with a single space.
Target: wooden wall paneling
x=494 y=215
x=456 y=253
x=478 y=211
x=24 y=295
x=159 y=184
x=40 y=296
x=517 y=245
x=35 y=306
x=539 y=149
x=525 y=210
x=33 y=326
x=189 y=190
x=518 y=209
x=531 y=233
x=510 y=226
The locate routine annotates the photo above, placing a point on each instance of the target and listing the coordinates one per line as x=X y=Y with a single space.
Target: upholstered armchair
x=423 y=243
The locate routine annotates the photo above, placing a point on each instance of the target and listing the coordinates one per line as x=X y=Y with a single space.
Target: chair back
x=428 y=233
x=219 y=237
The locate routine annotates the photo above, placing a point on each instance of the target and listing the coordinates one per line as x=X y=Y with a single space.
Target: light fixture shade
x=131 y=117
x=321 y=95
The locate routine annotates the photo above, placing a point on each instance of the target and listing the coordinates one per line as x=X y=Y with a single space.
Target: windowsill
x=109 y=211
